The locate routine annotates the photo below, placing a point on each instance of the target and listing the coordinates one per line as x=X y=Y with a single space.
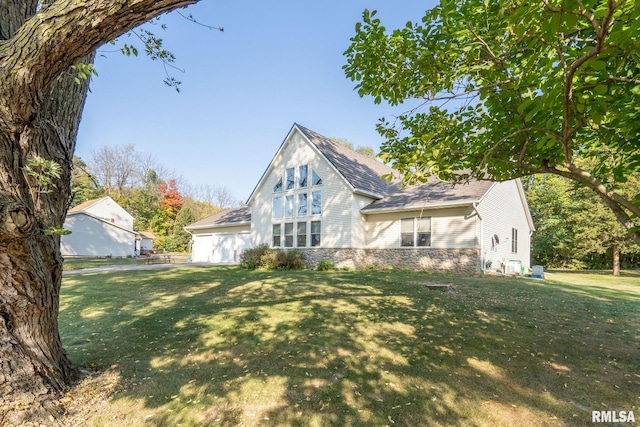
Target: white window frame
x=416 y=232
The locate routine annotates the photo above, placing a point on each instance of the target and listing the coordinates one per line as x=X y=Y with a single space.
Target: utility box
x=537 y=272
x=514 y=266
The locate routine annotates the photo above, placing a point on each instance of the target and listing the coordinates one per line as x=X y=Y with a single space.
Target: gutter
x=202 y=227
x=374 y=211
x=368 y=194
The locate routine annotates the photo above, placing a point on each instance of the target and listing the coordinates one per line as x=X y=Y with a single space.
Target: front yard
x=226 y=346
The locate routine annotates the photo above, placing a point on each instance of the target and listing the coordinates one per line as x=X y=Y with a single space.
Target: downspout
x=475 y=208
x=189 y=252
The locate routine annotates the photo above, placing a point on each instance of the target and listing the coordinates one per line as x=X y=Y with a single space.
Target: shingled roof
x=224 y=218
x=433 y=194
x=362 y=172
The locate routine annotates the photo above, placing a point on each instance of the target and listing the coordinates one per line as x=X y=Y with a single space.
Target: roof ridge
x=361 y=171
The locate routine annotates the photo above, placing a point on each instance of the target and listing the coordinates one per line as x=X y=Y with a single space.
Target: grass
x=225 y=346
x=86 y=263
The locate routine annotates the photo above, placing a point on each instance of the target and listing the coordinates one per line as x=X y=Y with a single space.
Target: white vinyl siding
x=110 y=211
x=93 y=237
x=502 y=210
x=450 y=228
x=337 y=197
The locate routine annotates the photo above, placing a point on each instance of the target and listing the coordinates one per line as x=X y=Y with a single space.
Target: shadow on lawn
x=230 y=346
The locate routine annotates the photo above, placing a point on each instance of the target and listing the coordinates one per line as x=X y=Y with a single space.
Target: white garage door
x=202 y=249
x=228 y=247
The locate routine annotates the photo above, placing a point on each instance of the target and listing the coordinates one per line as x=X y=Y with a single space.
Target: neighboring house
x=99 y=228
x=144 y=242
x=330 y=201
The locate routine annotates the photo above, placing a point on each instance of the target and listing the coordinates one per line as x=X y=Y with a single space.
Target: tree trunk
x=616 y=259
x=40 y=108
x=33 y=364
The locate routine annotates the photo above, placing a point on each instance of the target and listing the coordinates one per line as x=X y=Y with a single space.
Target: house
x=144 y=242
x=99 y=228
x=330 y=202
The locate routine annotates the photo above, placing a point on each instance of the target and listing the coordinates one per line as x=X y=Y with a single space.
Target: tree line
x=158 y=201
x=575 y=228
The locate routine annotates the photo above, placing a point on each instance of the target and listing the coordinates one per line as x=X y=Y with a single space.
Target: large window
x=288 y=207
x=288 y=234
x=290 y=175
x=514 y=240
x=277 y=232
x=277 y=207
x=315 y=233
x=316 y=202
x=415 y=232
x=302 y=204
x=303 y=180
x=301 y=234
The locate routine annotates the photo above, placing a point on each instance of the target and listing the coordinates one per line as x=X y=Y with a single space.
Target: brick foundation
x=465 y=261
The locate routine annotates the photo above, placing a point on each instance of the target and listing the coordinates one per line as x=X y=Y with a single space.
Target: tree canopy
x=508 y=89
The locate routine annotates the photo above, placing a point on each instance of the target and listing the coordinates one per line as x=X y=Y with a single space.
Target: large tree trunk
x=33 y=363
x=40 y=108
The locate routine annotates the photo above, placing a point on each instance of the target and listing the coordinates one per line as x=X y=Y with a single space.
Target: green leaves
x=44 y=172
x=511 y=89
x=83 y=72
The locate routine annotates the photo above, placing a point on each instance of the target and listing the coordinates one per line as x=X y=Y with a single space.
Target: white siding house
x=329 y=201
x=99 y=228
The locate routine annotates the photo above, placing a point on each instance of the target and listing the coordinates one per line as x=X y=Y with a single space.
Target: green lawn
x=226 y=346
x=85 y=263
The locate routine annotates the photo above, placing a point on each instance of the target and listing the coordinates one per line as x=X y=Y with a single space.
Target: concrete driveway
x=129 y=267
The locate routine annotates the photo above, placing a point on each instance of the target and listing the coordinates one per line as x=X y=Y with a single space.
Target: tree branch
x=54 y=39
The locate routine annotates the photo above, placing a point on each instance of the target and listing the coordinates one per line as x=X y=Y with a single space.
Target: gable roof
x=362 y=172
x=86 y=205
x=224 y=218
x=433 y=194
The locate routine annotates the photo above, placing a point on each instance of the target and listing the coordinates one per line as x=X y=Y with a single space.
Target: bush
x=272 y=259
x=252 y=258
x=292 y=259
x=325 y=265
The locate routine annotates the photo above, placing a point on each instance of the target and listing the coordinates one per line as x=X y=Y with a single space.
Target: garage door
x=228 y=247
x=202 y=249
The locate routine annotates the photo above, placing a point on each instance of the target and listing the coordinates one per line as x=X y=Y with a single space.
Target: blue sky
x=276 y=63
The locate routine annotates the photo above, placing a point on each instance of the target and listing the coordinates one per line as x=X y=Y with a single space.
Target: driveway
x=129 y=267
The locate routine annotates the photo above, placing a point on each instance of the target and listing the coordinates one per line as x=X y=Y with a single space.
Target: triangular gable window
x=278 y=187
x=315 y=179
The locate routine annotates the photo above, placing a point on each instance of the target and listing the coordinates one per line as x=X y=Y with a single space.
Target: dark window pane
x=406 y=239
x=424 y=239
x=315 y=233
x=302 y=234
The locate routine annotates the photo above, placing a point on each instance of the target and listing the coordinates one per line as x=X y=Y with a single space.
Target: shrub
x=292 y=259
x=252 y=258
x=272 y=259
x=325 y=265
